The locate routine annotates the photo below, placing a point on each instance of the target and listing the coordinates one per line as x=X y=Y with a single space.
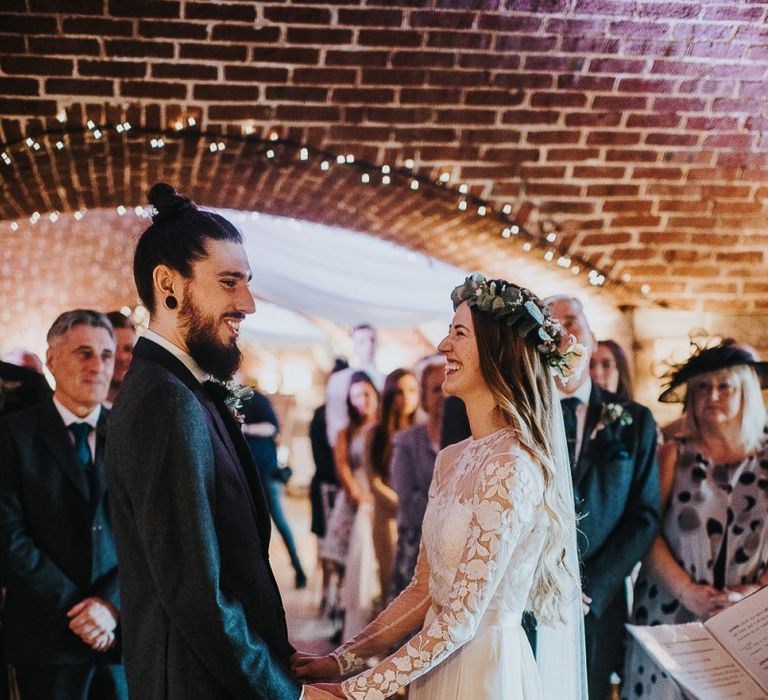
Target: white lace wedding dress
x=483 y=534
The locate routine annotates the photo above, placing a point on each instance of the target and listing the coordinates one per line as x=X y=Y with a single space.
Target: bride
x=499 y=533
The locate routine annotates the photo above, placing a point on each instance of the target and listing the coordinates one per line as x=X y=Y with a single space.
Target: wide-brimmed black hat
x=704 y=360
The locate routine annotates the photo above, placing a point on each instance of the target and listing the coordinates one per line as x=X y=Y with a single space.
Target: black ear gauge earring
x=170 y=301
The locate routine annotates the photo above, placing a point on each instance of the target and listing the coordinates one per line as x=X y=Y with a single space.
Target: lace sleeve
x=503 y=508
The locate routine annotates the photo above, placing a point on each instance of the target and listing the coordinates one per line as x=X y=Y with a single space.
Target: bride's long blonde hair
x=522 y=388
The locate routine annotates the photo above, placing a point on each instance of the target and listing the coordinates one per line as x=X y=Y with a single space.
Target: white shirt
x=69 y=418
x=184 y=357
x=582 y=394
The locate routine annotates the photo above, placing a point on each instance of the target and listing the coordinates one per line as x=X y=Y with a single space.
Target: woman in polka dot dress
x=713 y=546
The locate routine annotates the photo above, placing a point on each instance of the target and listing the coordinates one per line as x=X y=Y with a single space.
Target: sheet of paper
x=743 y=630
x=697 y=661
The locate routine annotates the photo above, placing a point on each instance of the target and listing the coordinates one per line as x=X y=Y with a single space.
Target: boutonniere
x=611 y=414
x=7 y=388
x=233 y=395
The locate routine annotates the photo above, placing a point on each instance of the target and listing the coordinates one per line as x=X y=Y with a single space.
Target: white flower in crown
x=612 y=414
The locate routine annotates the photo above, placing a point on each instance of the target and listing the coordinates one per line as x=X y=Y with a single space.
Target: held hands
x=94 y=621
x=585 y=601
x=322 y=691
x=315 y=667
x=704 y=600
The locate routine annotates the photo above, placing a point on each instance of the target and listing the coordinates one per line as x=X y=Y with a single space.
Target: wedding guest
x=609 y=369
x=413 y=460
x=57 y=551
x=612 y=446
x=261 y=428
x=399 y=403
x=323 y=487
x=364 y=343
x=713 y=545
x=25 y=358
x=126 y=337
x=20 y=387
x=362 y=409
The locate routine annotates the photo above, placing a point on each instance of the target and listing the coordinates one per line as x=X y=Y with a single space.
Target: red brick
x=558 y=99
x=391 y=76
x=442 y=19
x=458 y=40
x=554 y=63
x=111 y=69
x=390 y=38
x=502 y=136
x=616 y=65
x=524 y=43
x=97 y=26
x=214 y=52
x=545 y=189
x=242 y=32
x=172 y=30
x=649 y=47
x=753 y=257
x=592 y=119
x=523 y=80
x=511 y=155
x=725 y=191
x=138 y=49
x=565 y=207
x=742 y=104
x=12 y=44
x=658 y=121
x=313 y=113
x=676 y=10
x=220 y=11
x=19 y=86
x=422 y=59
x=735 y=13
x=57 y=45
x=313 y=35
x=671 y=139
x=681 y=68
x=157 y=89
x=636 y=206
x=79 y=7
x=655 y=237
x=363 y=96
x=371 y=18
x=743 y=71
x=612 y=103
x=26 y=65
x=604 y=239
x=295 y=94
x=737 y=141
x=466 y=116
x=613 y=191
x=639 y=85
x=529 y=116
x=704 y=222
x=572 y=154
x=589 y=45
x=720 y=49
x=242 y=112
x=643 y=30
x=144 y=8
x=423 y=96
x=605 y=7
x=79 y=86
x=493 y=97
x=594 y=172
x=613 y=138
x=494 y=61
x=420 y=135
x=458 y=78
x=657 y=173
x=230 y=93
x=736 y=207
x=509 y=23
x=544 y=172
x=286 y=56
x=549 y=137
x=28 y=24
x=186 y=71
x=711 y=123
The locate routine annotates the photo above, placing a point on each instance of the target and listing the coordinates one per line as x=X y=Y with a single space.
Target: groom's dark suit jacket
x=616 y=485
x=56 y=545
x=202 y=615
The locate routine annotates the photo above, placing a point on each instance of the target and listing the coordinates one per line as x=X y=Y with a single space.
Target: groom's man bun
x=175 y=238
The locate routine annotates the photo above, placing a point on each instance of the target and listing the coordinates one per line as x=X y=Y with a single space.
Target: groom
x=201 y=612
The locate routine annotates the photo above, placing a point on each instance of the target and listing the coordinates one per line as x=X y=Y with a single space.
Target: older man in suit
x=202 y=614
x=56 y=548
x=612 y=445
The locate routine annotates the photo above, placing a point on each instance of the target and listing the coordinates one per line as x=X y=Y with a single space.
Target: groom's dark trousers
x=201 y=613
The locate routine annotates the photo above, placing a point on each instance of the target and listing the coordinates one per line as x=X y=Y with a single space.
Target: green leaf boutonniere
x=612 y=414
x=236 y=394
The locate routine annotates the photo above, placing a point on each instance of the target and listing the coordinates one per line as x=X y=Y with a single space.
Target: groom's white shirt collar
x=184 y=357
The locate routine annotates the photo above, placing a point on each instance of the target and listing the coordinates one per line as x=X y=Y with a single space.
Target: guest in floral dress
x=713 y=546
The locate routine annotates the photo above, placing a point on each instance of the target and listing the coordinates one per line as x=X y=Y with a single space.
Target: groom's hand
x=322 y=691
x=314 y=667
x=94 y=621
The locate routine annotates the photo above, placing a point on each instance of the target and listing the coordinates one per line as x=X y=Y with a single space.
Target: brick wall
x=638 y=129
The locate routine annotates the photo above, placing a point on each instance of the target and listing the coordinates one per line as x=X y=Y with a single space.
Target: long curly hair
x=390 y=421
x=521 y=385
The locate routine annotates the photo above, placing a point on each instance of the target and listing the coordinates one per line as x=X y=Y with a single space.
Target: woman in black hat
x=713 y=544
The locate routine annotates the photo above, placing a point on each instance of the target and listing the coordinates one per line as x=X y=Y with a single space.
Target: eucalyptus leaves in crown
x=524 y=312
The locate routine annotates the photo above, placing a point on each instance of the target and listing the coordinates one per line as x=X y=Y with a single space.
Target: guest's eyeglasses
x=705 y=389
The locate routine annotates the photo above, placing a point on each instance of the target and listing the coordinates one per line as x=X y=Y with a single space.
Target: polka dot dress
x=708 y=501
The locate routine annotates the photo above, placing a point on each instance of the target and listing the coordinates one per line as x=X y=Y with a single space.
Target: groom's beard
x=218 y=359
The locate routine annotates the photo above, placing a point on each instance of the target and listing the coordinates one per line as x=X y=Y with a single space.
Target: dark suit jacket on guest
x=616 y=485
x=56 y=548
x=20 y=388
x=202 y=615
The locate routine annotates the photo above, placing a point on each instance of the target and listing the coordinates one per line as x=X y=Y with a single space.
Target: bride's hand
x=320 y=691
x=315 y=667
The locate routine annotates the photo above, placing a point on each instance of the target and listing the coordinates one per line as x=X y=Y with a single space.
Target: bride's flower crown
x=524 y=312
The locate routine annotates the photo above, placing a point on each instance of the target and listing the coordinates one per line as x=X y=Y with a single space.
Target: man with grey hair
x=612 y=448
x=57 y=552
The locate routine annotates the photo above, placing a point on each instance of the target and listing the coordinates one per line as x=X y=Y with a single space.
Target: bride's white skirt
x=496 y=664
